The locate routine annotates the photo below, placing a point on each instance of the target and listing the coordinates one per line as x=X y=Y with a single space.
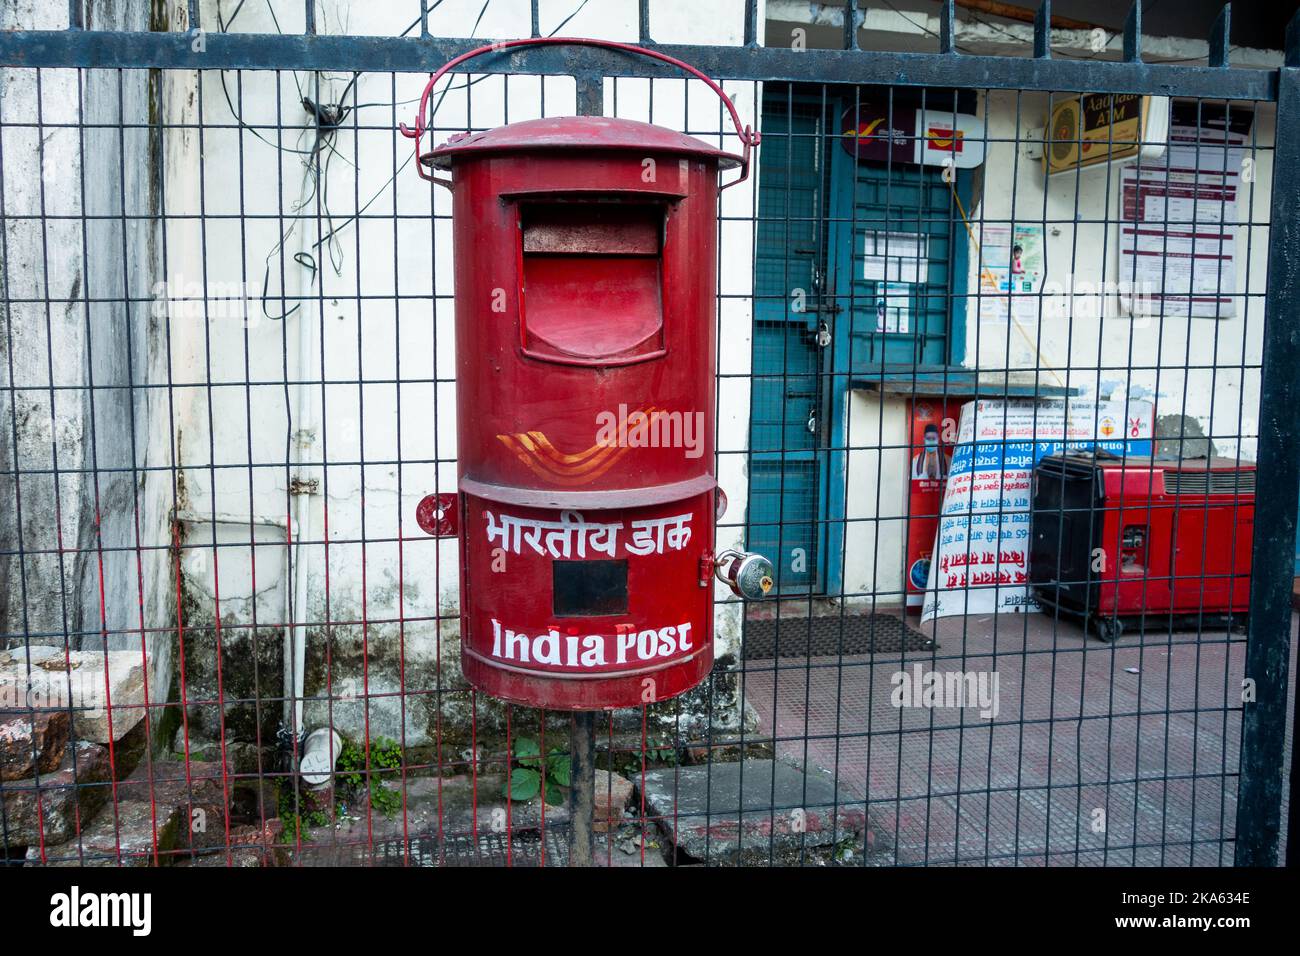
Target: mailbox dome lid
x=575 y=133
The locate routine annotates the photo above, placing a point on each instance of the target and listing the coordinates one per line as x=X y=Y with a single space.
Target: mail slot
x=586 y=261
x=585 y=256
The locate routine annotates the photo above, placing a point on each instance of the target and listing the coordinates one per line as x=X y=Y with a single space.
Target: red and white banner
x=980 y=565
x=933 y=431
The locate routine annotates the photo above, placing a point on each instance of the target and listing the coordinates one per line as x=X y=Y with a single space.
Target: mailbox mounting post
x=582 y=723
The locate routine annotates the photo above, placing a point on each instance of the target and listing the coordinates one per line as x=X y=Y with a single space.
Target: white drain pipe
x=315 y=758
x=302 y=439
x=320 y=751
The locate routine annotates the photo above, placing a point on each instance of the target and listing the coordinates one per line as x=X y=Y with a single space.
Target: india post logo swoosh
x=867 y=131
x=547 y=462
x=944 y=140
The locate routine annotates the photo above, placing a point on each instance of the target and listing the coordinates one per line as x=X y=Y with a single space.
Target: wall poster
x=1012 y=267
x=1178 y=220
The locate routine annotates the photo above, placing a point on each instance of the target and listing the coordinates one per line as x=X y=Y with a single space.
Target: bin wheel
x=1109 y=629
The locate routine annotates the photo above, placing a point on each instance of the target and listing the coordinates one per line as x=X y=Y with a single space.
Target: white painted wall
x=876 y=503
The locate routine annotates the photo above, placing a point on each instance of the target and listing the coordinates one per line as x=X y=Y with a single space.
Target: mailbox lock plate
x=439 y=515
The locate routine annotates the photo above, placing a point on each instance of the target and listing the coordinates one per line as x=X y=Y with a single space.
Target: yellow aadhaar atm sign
x=1094 y=128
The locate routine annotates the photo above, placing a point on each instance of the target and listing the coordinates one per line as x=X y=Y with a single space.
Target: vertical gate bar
x=947 y=27
x=1249 y=297
x=403 y=690
x=83 y=94
x=1263 y=728
x=643 y=22
x=54 y=445
x=210 y=418
x=751 y=22
x=1221 y=38
x=1293 y=815
x=850 y=26
x=17 y=546
x=361 y=454
x=1043 y=31
x=163 y=115
x=137 y=543
x=591 y=94
x=1133 y=33
x=317 y=419
x=259 y=699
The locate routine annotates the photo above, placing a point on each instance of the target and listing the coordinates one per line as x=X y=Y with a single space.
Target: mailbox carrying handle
x=749 y=137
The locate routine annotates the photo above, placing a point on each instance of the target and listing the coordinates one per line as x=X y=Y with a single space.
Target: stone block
x=31 y=742
x=612 y=794
x=48 y=678
x=68 y=798
x=746 y=812
x=121 y=835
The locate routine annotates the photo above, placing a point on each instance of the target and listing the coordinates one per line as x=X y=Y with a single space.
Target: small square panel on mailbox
x=590 y=588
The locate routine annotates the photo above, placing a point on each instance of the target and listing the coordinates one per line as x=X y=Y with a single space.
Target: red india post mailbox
x=585 y=275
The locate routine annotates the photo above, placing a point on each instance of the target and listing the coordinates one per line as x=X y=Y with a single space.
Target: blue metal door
x=896 y=263
x=788 y=417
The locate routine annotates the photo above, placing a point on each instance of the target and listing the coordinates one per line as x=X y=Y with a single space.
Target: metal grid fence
x=229 y=374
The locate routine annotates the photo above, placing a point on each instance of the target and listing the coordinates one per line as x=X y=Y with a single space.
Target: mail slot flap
x=593 y=228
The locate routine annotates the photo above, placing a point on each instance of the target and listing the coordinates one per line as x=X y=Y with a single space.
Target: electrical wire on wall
x=469 y=82
x=326 y=120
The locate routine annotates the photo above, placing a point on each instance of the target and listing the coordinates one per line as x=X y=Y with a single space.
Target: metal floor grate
x=481 y=850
